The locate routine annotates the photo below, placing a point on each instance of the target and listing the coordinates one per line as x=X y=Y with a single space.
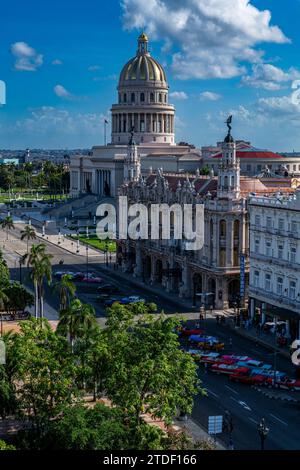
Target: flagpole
x=105 y=123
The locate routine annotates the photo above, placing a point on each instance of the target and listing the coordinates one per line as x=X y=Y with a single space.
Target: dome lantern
x=143 y=42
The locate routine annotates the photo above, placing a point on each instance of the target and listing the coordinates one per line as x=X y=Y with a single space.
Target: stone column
x=151 y=123
x=229 y=243
x=139 y=123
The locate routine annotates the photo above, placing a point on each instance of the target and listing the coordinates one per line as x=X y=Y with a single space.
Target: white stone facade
x=275 y=259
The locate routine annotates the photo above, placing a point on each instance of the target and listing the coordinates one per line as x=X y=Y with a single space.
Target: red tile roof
x=262 y=154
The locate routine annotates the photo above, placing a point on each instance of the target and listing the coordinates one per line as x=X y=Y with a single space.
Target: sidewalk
x=267 y=341
x=197 y=433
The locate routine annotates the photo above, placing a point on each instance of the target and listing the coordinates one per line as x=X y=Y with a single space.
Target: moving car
x=60 y=274
x=92 y=278
x=131 y=300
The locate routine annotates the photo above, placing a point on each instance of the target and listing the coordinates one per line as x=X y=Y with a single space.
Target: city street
x=246 y=405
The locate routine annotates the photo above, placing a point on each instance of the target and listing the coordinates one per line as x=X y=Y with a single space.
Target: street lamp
x=59 y=237
x=263 y=432
x=87 y=260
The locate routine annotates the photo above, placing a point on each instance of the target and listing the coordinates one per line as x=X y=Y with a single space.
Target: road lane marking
x=231 y=389
x=213 y=393
x=278 y=419
x=241 y=403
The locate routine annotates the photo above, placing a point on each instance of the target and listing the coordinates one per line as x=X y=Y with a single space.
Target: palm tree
x=28 y=233
x=3 y=299
x=7 y=224
x=76 y=319
x=66 y=289
x=40 y=262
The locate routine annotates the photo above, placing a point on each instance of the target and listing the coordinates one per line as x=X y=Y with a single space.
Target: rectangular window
x=279 y=285
x=292 y=293
x=281 y=224
x=268 y=282
x=256 y=246
x=293 y=252
x=256 y=278
x=280 y=251
x=268 y=248
x=269 y=222
x=294 y=227
x=257 y=220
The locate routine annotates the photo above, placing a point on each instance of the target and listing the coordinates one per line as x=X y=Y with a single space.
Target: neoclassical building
x=210 y=275
x=143 y=107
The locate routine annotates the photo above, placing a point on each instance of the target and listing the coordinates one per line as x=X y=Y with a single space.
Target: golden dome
x=142 y=67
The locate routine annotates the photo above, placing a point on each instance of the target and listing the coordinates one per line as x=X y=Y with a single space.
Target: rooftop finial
x=143 y=43
x=228 y=122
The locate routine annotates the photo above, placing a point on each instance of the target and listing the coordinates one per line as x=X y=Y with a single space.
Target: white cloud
x=212 y=37
x=27 y=58
x=63 y=93
x=209 y=96
x=269 y=77
x=282 y=107
x=57 y=62
x=179 y=95
x=52 y=127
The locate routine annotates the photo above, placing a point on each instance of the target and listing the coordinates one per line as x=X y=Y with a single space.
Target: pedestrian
x=230 y=344
x=218 y=319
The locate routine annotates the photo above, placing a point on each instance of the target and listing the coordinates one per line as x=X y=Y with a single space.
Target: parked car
x=285 y=383
x=133 y=299
x=229 y=369
x=248 y=378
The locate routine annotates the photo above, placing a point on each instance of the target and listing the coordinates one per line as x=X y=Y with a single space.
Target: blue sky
x=61 y=60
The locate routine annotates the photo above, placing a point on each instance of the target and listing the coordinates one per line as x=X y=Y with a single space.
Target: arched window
x=132 y=97
x=236 y=229
x=151 y=97
x=225 y=182
x=125 y=98
x=142 y=97
x=223 y=228
x=160 y=97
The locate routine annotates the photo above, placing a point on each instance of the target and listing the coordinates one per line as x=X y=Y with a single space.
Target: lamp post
x=87 y=260
x=78 y=244
x=263 y=432
x=106 y=251
x=59 y=237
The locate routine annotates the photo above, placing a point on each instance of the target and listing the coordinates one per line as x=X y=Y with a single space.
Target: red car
x=250 y=379
x=229 y=369
x=189 y=332
x=285 y=383
x=215 y=360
